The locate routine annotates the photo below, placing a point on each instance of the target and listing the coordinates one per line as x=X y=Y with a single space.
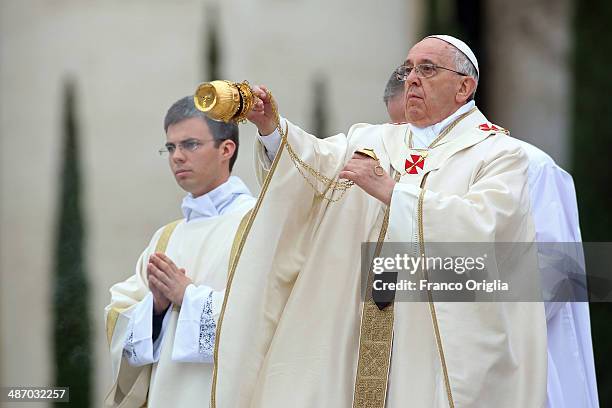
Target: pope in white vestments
x=571 y=378
x=312 y=339
x=165 y=360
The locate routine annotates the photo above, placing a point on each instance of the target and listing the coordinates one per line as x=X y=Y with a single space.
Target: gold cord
x=445 y=132
x=432 y=306
x=306 y=169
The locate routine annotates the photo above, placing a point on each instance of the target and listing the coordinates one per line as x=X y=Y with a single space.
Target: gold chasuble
x=295 y=330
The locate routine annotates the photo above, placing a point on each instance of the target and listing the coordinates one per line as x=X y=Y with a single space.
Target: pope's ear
x=467 y=86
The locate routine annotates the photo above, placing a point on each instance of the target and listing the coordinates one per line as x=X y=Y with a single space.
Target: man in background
x=571 y=371
x=394 y=99
x=161 y=321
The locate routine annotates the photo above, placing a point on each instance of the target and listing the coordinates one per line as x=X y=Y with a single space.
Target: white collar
x=215 y=202
x=422 y=137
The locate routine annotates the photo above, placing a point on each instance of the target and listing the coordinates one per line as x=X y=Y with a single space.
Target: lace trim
x=208 y=328
x=129 y=351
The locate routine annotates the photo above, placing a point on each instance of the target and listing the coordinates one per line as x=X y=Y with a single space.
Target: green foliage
x=212 y=54
x=442 y=18
x=592 y=110
x=462 y=19
x=591 y=165
x=320 y=108
x=71 y=335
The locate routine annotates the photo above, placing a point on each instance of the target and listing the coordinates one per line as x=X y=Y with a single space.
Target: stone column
x=528 y=43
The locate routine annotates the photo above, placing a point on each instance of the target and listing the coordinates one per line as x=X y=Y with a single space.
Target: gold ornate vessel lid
x=224 y=100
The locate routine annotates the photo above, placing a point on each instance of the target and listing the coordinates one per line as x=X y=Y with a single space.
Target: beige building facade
x=130 y=60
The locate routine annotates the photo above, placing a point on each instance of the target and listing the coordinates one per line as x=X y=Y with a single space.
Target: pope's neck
x=423 y=136
x=439 y=119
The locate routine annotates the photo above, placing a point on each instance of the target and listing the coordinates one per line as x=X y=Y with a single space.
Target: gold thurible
x=229 y=101
x=225 y=100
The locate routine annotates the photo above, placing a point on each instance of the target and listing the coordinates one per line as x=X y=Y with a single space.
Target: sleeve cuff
x=196 y=328
x=272 y=141
x=138 y=348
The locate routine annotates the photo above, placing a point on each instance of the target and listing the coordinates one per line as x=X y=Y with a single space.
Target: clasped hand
x=167 y=282
x=361 y=170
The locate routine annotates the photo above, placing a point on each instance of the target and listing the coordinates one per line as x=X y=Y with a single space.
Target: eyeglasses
x=190 y=145
x=422 y=71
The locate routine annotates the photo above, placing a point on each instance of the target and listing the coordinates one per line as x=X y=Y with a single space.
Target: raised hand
x=262 y=114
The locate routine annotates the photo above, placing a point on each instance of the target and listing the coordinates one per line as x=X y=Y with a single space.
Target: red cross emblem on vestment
x=492 y=128
x=416 y=163
x=488 y=127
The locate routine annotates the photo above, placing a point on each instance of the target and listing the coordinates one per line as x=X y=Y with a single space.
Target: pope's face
x=203 y=169
x=431 y=100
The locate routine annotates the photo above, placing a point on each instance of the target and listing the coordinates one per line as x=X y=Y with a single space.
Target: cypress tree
x=212 y=52
x=71 y=327
x=320 y=108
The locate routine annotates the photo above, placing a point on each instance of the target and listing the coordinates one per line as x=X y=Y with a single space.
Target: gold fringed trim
x=162 y=243
x=239 y=233
x=236 y=252
x=432 y=307
x=111 y=322
x=375 y=340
